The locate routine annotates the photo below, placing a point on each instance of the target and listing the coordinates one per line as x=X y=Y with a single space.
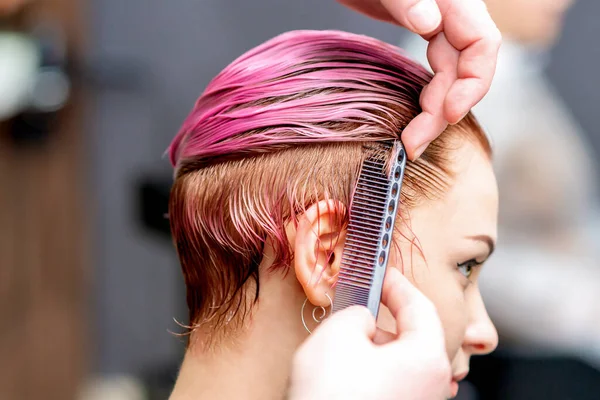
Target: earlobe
x=318 y=246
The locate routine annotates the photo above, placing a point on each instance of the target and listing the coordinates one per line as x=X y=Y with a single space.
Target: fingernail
x=419 y=151
x=425 y=16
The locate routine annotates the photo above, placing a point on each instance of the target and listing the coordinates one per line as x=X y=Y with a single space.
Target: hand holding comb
x=373 y=212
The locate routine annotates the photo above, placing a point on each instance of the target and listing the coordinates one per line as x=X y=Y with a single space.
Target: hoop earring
x=314 y=311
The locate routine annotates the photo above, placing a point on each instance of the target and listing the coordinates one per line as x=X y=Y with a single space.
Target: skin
x=463 y=52
x=323 y=368
x=539 y=23
x=462 y=229
x=259 y=358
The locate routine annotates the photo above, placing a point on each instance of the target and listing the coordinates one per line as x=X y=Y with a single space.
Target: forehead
x=470 y=207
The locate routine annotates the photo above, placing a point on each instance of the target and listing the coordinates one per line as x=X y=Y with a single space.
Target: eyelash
x=471 y=264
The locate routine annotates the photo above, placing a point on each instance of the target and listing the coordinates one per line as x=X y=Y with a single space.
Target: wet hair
x=280 y=128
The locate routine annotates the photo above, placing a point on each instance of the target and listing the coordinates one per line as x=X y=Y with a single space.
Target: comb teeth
x=372 y=217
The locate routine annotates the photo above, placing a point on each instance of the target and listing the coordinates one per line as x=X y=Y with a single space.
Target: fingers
x=351 y=322
x=423 y=17
x=420 y=132
x=415 y=315
x=469 y=29
x=352 y=326
x=463 y=59
x=428 y=125
x=469 y=32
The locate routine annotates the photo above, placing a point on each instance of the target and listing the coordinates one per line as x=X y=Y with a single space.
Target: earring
x=314 y=313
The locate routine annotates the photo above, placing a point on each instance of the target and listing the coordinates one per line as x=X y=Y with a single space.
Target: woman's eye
x=467 y=267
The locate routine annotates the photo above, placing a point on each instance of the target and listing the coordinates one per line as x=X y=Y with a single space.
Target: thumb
x=414 y=313
x=423 y=17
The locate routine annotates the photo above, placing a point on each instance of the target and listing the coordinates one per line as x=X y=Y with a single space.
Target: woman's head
x=266 y=164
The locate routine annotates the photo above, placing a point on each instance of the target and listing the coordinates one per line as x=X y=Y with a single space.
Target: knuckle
x=495 y=36
x=498 y=35
x=305 y=349
x=301 y=358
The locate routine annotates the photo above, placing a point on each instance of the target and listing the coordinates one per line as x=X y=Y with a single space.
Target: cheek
x=451 y=307
x=441 y=285
x=448 y=296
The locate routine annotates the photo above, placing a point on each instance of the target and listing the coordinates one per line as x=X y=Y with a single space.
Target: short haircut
x=280 y=128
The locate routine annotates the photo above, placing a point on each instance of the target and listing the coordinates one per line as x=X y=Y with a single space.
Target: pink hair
x=353 y=74
x=281 y=127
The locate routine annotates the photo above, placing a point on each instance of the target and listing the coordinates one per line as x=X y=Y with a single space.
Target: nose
x=481 y=336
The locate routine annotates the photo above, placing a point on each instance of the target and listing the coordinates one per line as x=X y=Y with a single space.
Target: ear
x=318 y=246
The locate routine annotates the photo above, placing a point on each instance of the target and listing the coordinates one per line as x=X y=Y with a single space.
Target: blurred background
x=91 y=93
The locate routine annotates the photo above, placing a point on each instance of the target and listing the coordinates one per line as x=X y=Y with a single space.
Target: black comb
x=372 y=217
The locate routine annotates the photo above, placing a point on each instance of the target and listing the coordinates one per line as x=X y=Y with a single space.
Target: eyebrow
x=485 y=239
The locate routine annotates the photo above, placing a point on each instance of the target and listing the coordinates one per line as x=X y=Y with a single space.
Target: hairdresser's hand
x=463 y=50
x=348 y=358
